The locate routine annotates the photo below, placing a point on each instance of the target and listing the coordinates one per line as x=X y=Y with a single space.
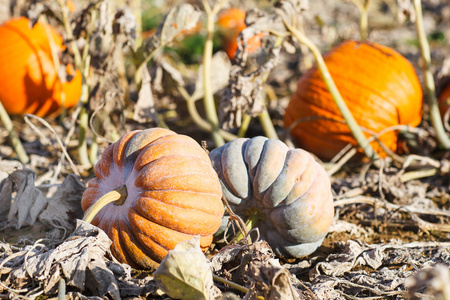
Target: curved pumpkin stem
x=254 y=217
x=430 y=87
x=363 y=7
x=119 y=195
x=326 y=76
x=204 y=125
x=208 y=101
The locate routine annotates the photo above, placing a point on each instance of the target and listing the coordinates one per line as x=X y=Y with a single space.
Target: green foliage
x=190 y=48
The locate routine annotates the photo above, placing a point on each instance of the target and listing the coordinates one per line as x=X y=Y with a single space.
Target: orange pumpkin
x=231 y=23
x=30 y=82
x=173 y=194
x=444 y=100
x=379 y=86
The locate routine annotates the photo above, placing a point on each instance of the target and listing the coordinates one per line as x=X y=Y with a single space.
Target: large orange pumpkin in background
x=29 y=82
x=379 y=86
x=231 y=22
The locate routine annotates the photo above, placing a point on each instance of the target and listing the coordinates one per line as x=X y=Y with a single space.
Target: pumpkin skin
x=30 y=83
x=379 y=86
x=173 y=195
x=231 y=22
x=287 y=186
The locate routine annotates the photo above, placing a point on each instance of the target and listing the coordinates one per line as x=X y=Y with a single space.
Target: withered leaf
x=29 y=201
x=80 y=260
x=185 y=273
x=179 y=18
x=144 y=110
x=30 y=204
x=268 y=278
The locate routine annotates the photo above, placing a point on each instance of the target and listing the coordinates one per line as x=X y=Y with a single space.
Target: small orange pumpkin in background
x=444 y=100
x=173 y=194
x=29 y=80
x=379 y=86
x=231 y=22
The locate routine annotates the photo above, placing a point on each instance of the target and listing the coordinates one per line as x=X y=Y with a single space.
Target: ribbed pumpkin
x=173 y=194
x=287 y=187
x=379 y=86
x=30 y=82
x=231 y=23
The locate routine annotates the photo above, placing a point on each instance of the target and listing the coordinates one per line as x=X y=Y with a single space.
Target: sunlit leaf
x=185 y=273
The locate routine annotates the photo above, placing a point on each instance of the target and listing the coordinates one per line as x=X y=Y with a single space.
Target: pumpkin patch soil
x=390 y=238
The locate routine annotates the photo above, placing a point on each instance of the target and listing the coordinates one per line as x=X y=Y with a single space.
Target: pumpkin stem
x=15 y=141
x=244 y=126
x=363 y=7
x=267 y=125
x=117 y=196
x=197 y=118
x=430 y=87
x=254 y=216
x=208 y=100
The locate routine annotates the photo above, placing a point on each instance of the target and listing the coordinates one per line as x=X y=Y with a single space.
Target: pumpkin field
x=225 y=149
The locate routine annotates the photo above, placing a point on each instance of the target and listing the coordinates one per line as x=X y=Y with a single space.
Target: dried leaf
x=115 y=29
x=353 y=253
x=179 y=18
x=29 y=201
x=244 y=92
x=64 y=207
x=175 y=74
x=80 y=260
x=6 y=191
x=144 y=110
x=225 y=255
x=405 y=10
x=434 y=282
x=291 y=10
x=30 y=204
x=260 y=21
x=185 y=274
x=268 y=277
x=390 y=263
x=7 y=167
x=124 y=27
x=352 y=229
x=38 y=8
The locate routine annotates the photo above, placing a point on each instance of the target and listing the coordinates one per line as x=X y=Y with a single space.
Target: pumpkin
x=379 y=86
x=287 y=187
x=30 y=82
x=231 y=22
x=170 y=193
x=444 y=100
